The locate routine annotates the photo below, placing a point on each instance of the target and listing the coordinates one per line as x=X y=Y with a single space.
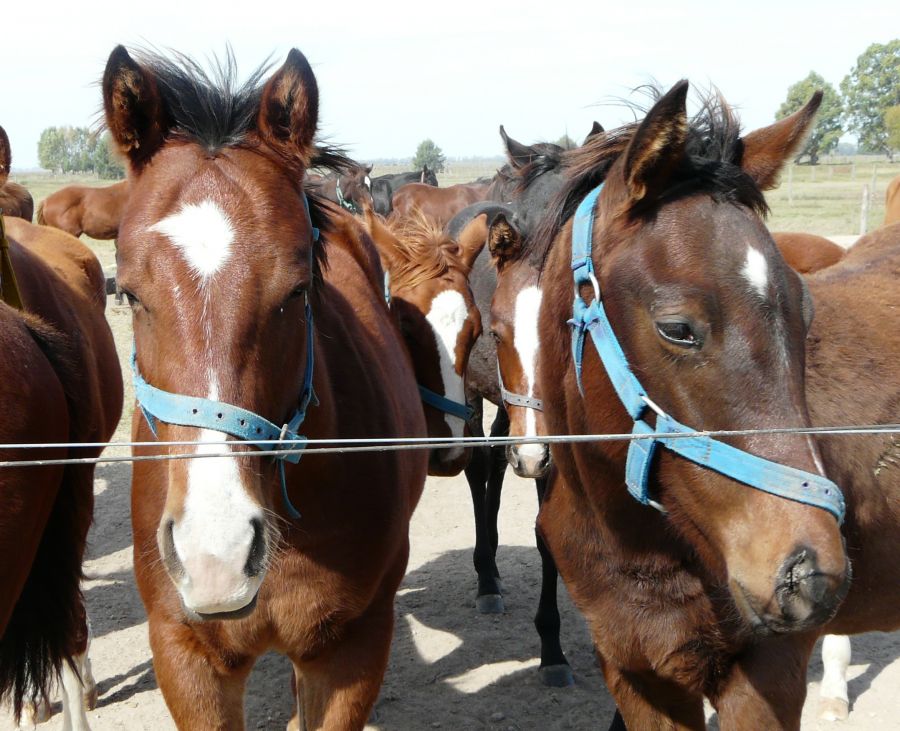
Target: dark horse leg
x=485 y=476
x=555 y=670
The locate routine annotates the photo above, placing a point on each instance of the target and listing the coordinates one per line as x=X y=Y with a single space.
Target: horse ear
x=519 y=155
x=766 y=150
x=384 y=239
x=504 y=241
x=5 y=156
x=368 y=169
x=657 y=147
x=134 y=108
x=289 y=109
x=471 y=239
x=596 y=129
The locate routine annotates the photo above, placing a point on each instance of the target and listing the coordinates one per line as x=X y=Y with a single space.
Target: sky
x=392 y=73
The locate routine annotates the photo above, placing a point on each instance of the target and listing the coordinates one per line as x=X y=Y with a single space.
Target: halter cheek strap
x=175 y=408
x=591 y=319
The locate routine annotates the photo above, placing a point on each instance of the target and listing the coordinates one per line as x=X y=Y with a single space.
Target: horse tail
x=40 y=215
x=48 y=623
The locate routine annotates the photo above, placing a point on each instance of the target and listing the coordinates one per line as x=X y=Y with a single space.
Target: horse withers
x=15 y=200
x=60 y=377
x=429 y=295
x=694 y=583
x=257 y=312
x=807 y=253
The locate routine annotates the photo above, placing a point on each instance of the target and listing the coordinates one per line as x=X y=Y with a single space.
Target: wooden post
x=864 y=211
x=872 y=188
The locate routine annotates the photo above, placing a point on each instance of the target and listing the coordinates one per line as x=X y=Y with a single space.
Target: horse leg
x=834 y=704
x=338 y=689
x=202 y=688
x=555 y=669
x=488 y=599
x=496 y=472
x=767 y=686
x=653 y=703
x=79 y=690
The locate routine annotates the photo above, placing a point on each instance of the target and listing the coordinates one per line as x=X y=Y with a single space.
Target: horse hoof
x=557 y=676
x=33 y=714
x=294 y=723
x=490 y=604
x=834 y=709
x=91 y=695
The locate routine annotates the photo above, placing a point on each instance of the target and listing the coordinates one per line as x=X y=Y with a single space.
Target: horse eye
x=133 y=301
x=679 y=333
x=298 y=292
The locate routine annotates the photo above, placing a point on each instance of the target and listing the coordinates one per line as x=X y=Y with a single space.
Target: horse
x=15 y=200
x=60 y=377
x=429 y=295
x=695 y=582
x=81 y=209
x=349 y=186
x=807 y=253
x=438 y=204
x=268 y=310
x=384 y=186
x=892 y=202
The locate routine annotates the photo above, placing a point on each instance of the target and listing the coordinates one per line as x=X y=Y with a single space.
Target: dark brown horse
x=438 y=204
x=723 y=593
x=218 y=258
x=350 y=187
x=384 y=186
x=435 y=310
x=60 y=377
x=807 y=253
x=892 y=202
x=81 y=209
x=15 y=200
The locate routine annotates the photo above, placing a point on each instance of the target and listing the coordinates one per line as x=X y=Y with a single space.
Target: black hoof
x=557 y=676
x=490 y=604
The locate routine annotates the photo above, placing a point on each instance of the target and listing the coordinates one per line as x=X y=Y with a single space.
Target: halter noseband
x=771 y=477
x=343 y=202
x=175 y=408
x=517 y=399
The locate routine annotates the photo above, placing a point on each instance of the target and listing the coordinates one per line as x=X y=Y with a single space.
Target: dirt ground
x=450 y=667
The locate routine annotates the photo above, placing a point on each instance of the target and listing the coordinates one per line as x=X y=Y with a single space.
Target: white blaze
x=526 y=342
x=203 y=234
x=756 y=271
x=447 y=316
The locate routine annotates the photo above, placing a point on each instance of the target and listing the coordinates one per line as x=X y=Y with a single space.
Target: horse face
x=440 y=324
x=217 y=287
x=514 y=328
x=357 y=188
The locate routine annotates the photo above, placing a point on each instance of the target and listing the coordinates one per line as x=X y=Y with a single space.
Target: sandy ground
x=450 y=667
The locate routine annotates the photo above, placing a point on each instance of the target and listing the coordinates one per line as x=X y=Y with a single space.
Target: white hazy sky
x=392 y=72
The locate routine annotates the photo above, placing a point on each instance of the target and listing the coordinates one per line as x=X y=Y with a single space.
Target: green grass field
x=823 y=199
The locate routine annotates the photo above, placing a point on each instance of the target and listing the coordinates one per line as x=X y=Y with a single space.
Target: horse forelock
x=426 y=252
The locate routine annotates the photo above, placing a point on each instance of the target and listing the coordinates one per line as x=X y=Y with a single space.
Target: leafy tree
x=566 y=142
x=106 y=163
x=52 y=151
x=892 y=125
x=825 y=135
x=871 y=87
x=78 y=150
x=428 y=153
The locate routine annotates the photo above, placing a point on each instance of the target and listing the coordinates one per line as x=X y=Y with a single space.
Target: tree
x=428 y=153
x=892 y=125
x=78 y=150
x=52 y=150
x=871 y=87
x=106 y=162
x=566 y=142
x=827 y=131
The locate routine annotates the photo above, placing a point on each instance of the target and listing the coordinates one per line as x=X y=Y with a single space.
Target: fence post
x=791 y=184
x=864 y=211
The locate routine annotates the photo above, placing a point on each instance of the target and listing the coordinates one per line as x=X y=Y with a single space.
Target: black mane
x=711 y=165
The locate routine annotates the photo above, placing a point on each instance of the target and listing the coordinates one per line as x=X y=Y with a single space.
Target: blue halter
x=762 y=474
x=174 y=408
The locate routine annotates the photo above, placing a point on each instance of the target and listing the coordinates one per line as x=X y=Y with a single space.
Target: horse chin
x=764 y=623
x=233 y=614
x=448 y=462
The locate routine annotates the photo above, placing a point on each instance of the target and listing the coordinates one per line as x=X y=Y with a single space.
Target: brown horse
x=807 y=253
x=60 y=377
x=722 y=591
x=350 y=187
x=437 y=204
x=80 y=209
x=15 y=200
x=435 y=310
x=218 y=257
x=892 y=202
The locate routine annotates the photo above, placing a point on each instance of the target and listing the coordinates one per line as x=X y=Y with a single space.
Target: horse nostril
x=167 y=548
x=257 y=555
